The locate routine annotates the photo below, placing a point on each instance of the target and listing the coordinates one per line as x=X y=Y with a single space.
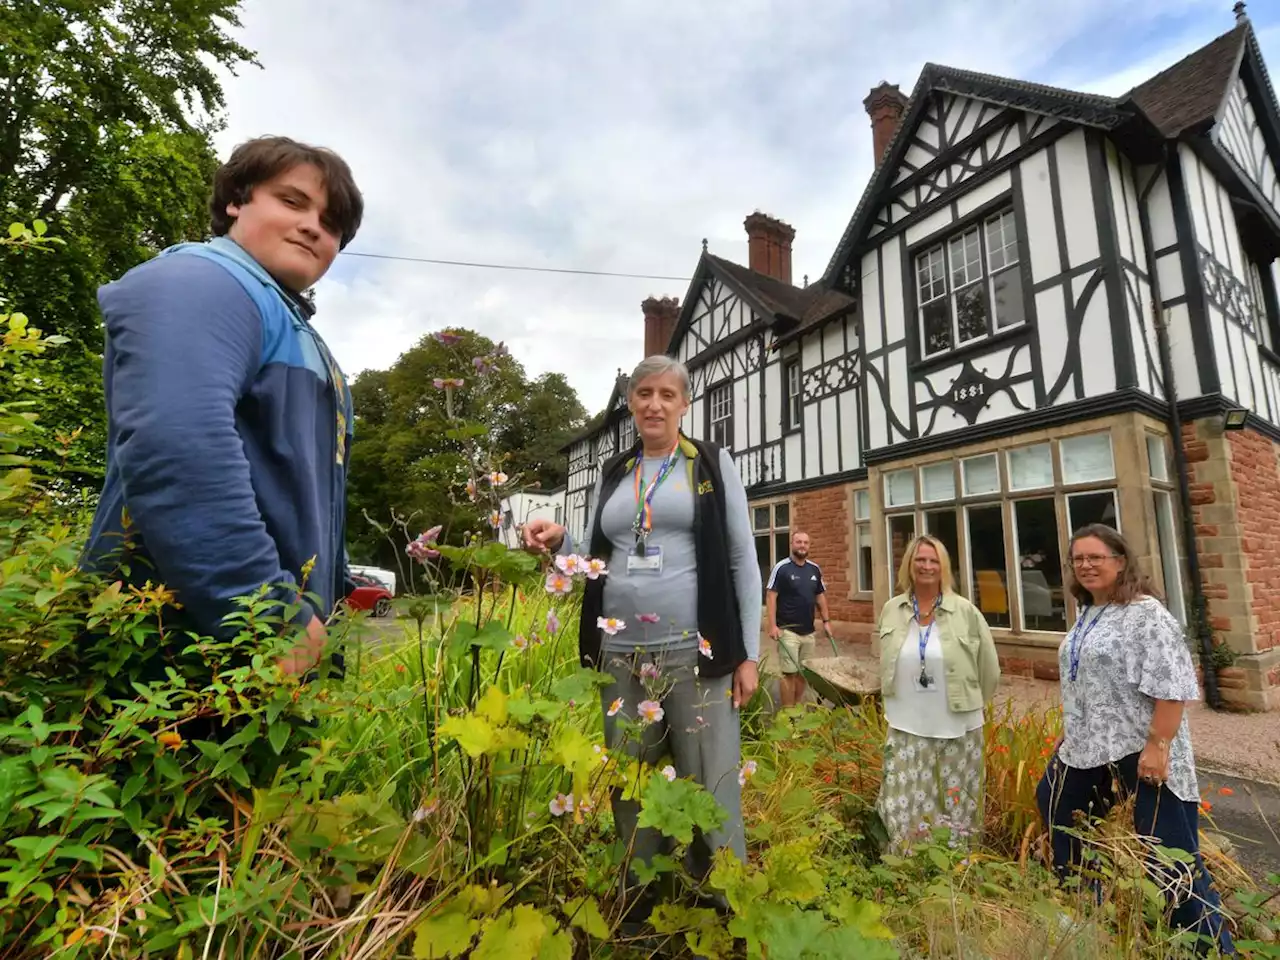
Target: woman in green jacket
x=938 y=670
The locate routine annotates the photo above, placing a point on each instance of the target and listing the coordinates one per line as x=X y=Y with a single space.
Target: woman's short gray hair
x=656 y=366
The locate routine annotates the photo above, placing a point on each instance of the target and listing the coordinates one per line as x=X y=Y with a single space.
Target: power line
x=508 y=266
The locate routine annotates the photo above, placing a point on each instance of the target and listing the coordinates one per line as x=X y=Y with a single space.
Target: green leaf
x=584 y=913
x=515 y=935
x=938 y=859
x=35 y=848
x=675 y=807
x=16 y=230
x=557 y=946
x=168 y=768
x=278 y=736
x=444 y=935
x=40 y=227
x=862 y=916
x=478 y=736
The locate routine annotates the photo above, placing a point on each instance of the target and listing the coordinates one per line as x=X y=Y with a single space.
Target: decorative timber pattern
x=1241 y=137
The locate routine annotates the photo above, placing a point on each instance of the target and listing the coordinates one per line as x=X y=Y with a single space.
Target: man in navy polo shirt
x=795 y=588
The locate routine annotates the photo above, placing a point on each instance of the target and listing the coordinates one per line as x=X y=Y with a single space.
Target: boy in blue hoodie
x=229 y=421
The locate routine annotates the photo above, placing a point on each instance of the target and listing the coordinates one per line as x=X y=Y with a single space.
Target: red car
x=369 y=595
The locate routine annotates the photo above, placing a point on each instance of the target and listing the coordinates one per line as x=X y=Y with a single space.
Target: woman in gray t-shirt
x=1126 y=677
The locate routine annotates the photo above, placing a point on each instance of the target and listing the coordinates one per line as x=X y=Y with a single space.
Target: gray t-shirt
x=1134 y=656
x=672 y=593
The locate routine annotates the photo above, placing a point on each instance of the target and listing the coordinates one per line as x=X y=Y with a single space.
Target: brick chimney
x=769 y=246
x=660 y=318
x=885 y=105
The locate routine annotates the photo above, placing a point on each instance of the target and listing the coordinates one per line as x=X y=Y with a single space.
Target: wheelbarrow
x=842 y=680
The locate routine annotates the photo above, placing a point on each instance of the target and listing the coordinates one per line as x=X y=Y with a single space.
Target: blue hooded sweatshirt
x=229 y=424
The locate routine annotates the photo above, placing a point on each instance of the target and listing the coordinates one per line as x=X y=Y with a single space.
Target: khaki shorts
x=794 y=649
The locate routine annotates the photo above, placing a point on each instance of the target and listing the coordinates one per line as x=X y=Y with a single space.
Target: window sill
x=976 y=348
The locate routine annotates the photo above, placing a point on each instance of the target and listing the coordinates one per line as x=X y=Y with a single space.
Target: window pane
x=781 y=546
x=1086 y=508
x=1030 y=467
x=937 y=327
x=966 y=259
x=761 y=521
x=902 y=530
x=971 y=312
x=1156 y=458
x=943 y=525
x=900 y=488
x=981 y=475
x=931 y=275
x=764 y=558
x=864 y=557
x=862 y=505
x=1040 y=565
x=1011 y=309
x=1002 y=241
x=1086 y=459
x=938 y=482
x=1169 y=558
x=782 y=515
x=989 y=590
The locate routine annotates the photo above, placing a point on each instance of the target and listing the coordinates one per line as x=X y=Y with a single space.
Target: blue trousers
x=1065 y=791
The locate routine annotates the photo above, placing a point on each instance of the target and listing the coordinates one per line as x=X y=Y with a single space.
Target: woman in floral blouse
x=1126 y=677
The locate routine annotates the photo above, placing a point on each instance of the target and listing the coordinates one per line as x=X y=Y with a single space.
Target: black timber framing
x=1104 y=213
x=1193 y=283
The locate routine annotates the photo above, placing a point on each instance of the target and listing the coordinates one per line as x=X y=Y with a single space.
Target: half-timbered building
x=1048 y=308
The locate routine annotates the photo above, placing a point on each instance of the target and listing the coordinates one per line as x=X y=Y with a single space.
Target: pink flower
x=650 y=711
x=553 y=622
x=611 y=625
x=561 y=805
x=747 y=772
x=444 y=383
x=571 y=564
x=668 y=771
x=558 y=583
x=426 y=810
x=495 y=519
x=421 y=549
x=586 y=804
x=520 y=642
x=433 y=534
x=648 y=617
x=649 y=671
x=704 y=647
x=482 y=364
x=497 y=478
x=615 y=707
x=471 y=489
x=447 y=339
x=595 y=569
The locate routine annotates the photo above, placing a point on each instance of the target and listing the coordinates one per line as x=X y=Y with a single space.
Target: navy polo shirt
x=797 y=587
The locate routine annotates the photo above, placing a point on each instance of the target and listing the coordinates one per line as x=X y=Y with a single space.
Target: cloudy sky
x=616 y=135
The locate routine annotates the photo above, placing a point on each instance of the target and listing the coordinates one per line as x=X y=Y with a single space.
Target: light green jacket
x=973 y=668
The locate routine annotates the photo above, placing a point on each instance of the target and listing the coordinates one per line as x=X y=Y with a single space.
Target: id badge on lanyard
x=647 y=559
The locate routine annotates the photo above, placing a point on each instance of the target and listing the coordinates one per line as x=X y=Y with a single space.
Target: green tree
x=107 y=109
x=409 y=462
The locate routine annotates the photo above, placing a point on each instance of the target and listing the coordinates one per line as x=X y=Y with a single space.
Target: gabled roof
x=1188 y=94
x=796 y=308
x=1090 y=109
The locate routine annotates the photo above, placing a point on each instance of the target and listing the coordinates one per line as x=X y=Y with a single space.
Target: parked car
x=369 y=594
x=385 y=577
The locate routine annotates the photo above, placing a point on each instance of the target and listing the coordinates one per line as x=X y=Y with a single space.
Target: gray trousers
x=699 y=730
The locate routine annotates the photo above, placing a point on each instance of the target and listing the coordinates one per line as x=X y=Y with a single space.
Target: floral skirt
x=930 y=783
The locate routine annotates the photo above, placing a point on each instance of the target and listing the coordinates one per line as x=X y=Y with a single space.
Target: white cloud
x=613 y=137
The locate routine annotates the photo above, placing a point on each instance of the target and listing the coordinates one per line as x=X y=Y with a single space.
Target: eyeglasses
x=1092 y=560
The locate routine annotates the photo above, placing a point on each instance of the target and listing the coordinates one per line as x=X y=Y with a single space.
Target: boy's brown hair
x=258 y=160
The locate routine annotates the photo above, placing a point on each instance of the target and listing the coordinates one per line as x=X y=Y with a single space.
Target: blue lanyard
x=1075 y=643
x=925 y=632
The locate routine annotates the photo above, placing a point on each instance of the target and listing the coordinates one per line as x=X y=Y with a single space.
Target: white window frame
x=861 y=527
x=720 y=412
x=626 y=433
x=793 y=380
x=939 y=264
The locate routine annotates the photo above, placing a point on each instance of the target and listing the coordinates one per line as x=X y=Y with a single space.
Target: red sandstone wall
x=1253 y=468
x=824 y=515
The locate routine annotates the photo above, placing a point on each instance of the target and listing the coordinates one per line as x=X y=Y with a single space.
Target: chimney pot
x=885 y=105
x=769 y=245
x=660 y=316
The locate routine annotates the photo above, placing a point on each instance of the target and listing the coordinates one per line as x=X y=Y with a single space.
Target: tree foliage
x=410 y=462
x=107 y=108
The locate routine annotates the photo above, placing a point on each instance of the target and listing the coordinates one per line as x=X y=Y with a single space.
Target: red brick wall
x=824 y=515
x=1254 y=470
